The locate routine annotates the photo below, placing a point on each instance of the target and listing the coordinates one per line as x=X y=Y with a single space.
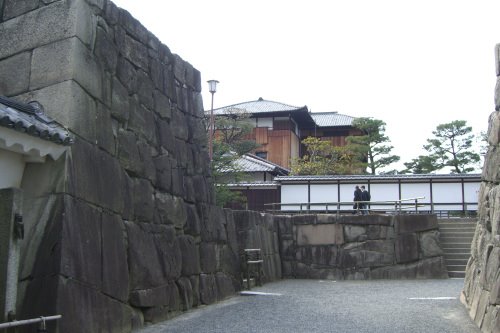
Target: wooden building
x=279 y=128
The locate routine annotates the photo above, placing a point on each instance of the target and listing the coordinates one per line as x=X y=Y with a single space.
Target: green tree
x=230 y=143
x=323 y=158
x=374 y=143
x=451 y=147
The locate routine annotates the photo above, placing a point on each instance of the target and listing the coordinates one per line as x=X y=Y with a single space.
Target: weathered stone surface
x=491 y=172
x=156 y=314
x=162 y=105
x=115 y=278
x=208 y=258
x=429 y=244
x=163 y=165
x=355 y=233
x=128 y=153
x=133 y=27
x=87 y=314
x=81 y=246
x=367 y=254
x=104 y=130
x=126 y=73
x=135 y=52
x=141 y=120
x=68 y=59
x=61 y=20
x=493 y=134
x=186 y=293
x=143 y=199
x=491 y=268
x=154 y=255
x=171 y=209
x=406 y=248
x=119 y=101
x=225 y=286
x=15 y=74
x=195 y=284
x=190 y=255
x=208 y=289
x=414 y=223
x=212 y=228
x=432 y=268
x=405 y=271
x=319 y=234
x=326 y=255
x=193 y=226
x=13 y=8
x=59 y=98
x=167 y=294
x=105 y=50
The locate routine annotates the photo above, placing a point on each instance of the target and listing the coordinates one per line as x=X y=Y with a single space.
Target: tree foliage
x=374 y=143
x=230 y=143
x=451 y=147
x=323 y=158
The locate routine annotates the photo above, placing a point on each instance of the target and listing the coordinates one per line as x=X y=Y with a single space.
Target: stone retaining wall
x=123 y=230
x=361 y=247
x=481 y=293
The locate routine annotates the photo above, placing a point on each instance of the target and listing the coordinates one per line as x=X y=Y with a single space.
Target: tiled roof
x=252 y=163
x=329 y=178
x=259 y=106
x=30 y=119
x=331 y=119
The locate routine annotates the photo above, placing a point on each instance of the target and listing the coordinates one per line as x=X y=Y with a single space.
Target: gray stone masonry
x=481 y=292
x=360 y=247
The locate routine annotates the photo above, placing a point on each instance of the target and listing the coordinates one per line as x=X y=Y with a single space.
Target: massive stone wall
x=123 y=230
x=361 y=247
x=481 y=293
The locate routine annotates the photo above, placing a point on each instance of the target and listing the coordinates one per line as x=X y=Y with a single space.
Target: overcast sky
x=413 y=64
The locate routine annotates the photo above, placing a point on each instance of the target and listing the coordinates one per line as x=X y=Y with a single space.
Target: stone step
x=456 y=274
x=458 y=255
x=462 y=239
x=456 y=245
x=454 y=262
x=456 y=268
x=457 y=227
x=451 y=250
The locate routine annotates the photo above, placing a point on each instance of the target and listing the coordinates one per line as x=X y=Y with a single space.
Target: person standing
x=365 y=197
x=357 y=199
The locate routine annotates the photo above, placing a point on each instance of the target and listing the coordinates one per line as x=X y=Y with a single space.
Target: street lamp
x=212 y=88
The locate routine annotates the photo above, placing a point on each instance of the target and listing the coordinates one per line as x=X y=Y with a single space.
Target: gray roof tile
x=331 y=119
x=259 y=106
x=30 y=119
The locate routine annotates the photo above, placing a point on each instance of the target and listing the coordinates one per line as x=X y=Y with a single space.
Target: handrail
x=399 y=205
x=41 y=320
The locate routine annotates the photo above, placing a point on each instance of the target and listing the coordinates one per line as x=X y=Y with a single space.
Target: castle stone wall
x=481 y=293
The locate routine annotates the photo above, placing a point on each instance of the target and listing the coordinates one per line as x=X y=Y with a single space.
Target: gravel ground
x=329 y=306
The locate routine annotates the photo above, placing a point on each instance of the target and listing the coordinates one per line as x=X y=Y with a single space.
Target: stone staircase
x=456 y=236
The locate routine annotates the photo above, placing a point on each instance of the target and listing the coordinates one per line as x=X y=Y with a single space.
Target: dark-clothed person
x=365 y=196
x=357 y=198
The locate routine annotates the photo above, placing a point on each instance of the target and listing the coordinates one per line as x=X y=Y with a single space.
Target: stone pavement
x=328 y=306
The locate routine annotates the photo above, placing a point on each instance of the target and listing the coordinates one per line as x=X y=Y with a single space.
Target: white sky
x=414 y=64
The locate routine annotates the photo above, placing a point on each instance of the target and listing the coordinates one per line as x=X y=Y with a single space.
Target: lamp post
x=212 y=88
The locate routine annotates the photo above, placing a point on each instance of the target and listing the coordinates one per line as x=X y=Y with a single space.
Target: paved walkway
x=381 y=306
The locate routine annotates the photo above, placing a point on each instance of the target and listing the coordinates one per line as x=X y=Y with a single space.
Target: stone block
x=491 y=172
x=167 y=294
x=15 y=74
x=119 y=101
x=494 y=211
x=414 y=223
x=146 y=153
x=180 y=125
x=156 y=72
x=284 y=225
x=497 y=59
x=88 y=314
x=133 y=26
x=155 y=314
x=136 y=53
x=432 y=268
x=304 y=219
x=319 y=234
x=193 y=224
x=491 y=269
x=212 y=223
x=375 y=219
x=429 y=244
x=228 y=262
x=14 y=8
x=225 y=286
x=81 y=245
x=142 y=121
x=104 y=130
x=374 y=253
x=143 y=199
x=195 y=285
x=319 y=255
x=145 y=89
x=162 y=105
x=154 y=255
x=68 y=59
x=405 y=271
x=497 y=95
x=59 y=98
x=61 y=20
x=406 y=248
x=163 y=165
x=208 y=257
x=493 y=134
x=208 y=289
x=354 y=233
x=495 y=290
x=105 y=50
x=166 y=136
x=190 y=255
x=186 y=293
x=171 y=209
x=127 y=74
x=115 y=278
x=128 y=152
